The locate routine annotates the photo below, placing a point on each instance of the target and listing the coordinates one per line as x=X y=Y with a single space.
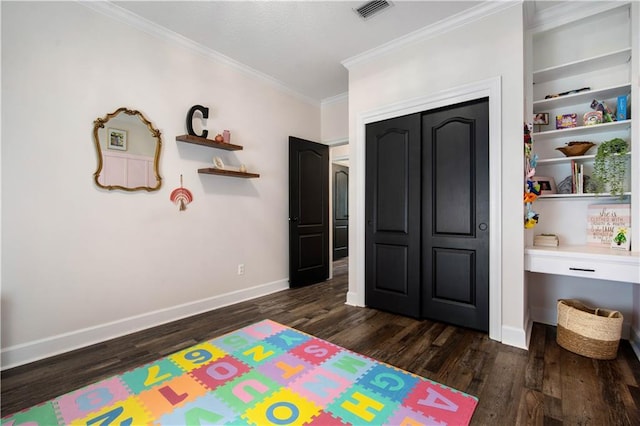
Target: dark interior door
x=340 y=211
x=308 y=212
x=455 y=197
x=392 y=211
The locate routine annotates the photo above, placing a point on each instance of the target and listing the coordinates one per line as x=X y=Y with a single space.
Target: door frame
x=490 y=88
x=332 y=159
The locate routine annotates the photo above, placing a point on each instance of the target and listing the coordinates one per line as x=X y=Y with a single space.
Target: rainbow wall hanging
x=181 y=196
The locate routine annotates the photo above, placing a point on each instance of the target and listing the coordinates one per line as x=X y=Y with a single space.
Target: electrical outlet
x=241 y=269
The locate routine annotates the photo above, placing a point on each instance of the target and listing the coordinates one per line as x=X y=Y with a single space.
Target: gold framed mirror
x=128 y=148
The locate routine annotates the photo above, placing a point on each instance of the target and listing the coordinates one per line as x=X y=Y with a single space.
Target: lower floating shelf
x=232 y=173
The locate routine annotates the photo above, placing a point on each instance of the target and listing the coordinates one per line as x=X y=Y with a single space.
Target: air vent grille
x=371 y=8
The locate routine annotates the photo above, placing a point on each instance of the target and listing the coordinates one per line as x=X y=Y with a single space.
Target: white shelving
x=581 y=97
x=583 y=66
x=582 y=130
x=600 y=59
x=577 y=158
x=603 y=196
x=574 y=46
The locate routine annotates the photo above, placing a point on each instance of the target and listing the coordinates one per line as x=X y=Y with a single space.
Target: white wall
x=487 y=48
x=339 y=152
x=335 y=119
x=80 y=264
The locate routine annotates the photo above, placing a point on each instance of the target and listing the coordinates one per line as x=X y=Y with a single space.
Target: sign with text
x=603 y=219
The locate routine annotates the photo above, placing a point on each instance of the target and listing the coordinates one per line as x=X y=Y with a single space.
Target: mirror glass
x=128 y=151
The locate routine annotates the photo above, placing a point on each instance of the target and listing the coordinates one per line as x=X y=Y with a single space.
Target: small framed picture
x=541 y=118
x=117 y=139
x=547 y=184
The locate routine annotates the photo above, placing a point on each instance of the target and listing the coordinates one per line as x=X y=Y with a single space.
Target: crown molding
x=336 y=142
x=475 y=13
x=123 y=15
x=335 y=99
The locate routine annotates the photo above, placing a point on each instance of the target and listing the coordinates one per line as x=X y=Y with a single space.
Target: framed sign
x=603 y=220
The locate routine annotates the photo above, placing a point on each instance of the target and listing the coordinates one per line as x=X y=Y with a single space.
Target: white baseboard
x=517 y=337
x=25 y=353
x=353 y=299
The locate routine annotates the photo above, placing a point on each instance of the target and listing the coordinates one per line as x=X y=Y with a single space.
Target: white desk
x=584 y=261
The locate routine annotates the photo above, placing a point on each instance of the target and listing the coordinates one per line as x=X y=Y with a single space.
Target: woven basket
x=591 y=332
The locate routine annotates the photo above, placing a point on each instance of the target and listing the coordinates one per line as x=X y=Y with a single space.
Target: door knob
x=294 y=219
x=482 y=226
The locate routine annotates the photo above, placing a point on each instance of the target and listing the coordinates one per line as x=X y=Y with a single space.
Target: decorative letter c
x=205 y=114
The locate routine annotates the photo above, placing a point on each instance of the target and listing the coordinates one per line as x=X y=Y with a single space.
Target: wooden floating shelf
x=223 y=172
x=208 y=142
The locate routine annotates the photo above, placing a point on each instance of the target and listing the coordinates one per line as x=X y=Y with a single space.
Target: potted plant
x=610 y=166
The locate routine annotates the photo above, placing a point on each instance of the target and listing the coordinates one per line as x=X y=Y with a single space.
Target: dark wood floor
x=543 y=386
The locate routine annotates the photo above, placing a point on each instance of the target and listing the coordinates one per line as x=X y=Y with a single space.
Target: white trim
x=335 y=99
x=566 y=12
x=123 y=15
x=487 y=88
x=14 y=356
x=517 y=337
x=336 y=142
x=446 y=25
x=634 y=339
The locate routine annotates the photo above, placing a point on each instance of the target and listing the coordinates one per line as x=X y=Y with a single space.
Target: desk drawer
x=602 y=270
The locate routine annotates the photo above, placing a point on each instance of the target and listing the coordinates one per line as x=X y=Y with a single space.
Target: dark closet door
x=340 y=211
x=455 y=197
x=392 y=211
x=308 y=212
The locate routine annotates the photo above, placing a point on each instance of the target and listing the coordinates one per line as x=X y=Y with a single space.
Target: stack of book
x=546 y=240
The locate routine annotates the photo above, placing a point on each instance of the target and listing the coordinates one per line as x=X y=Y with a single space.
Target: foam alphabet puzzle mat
x=262 y=374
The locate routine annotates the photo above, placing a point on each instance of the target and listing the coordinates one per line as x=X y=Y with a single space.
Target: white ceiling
x=301 y=44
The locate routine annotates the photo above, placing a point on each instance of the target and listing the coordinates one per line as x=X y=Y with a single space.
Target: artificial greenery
x=610 y=166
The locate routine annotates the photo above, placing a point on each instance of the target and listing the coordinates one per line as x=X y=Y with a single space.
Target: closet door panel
x=392 y=209
x=455 y=215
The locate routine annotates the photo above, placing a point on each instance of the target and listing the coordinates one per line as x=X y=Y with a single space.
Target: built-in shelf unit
x=572 y=47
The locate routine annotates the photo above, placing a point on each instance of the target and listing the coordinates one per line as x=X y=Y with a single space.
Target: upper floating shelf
x=208 y=142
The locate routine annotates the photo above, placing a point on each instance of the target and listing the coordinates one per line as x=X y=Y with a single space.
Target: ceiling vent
x=371 y=8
